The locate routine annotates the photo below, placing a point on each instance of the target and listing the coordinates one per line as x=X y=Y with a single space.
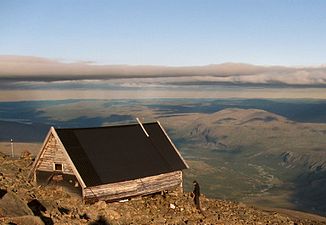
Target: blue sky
x=169 y=32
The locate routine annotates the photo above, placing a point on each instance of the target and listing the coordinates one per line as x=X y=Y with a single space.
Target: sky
x=166 y=32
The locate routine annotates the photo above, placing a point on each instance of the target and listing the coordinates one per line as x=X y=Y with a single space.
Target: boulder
x=11 y=205
x=27 y=220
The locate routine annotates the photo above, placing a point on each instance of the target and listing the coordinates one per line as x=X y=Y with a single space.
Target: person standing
x=196 y=193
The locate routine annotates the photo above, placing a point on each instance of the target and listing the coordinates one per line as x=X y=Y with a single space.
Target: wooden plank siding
x=53 y=154
x=126 y=189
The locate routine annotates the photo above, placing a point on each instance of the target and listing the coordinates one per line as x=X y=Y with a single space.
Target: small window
x=58 y=167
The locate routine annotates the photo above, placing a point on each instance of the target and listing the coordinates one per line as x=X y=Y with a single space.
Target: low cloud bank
x=36 y=69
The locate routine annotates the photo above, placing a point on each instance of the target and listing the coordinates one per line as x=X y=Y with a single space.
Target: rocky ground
x=23 y=202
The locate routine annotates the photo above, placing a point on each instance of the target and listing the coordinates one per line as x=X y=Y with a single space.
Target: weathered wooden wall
x=53 y=154
x=143 y=186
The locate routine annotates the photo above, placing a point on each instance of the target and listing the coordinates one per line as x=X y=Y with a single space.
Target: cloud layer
x=28 y=68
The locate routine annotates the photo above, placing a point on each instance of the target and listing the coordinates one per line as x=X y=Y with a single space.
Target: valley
x=262 y=152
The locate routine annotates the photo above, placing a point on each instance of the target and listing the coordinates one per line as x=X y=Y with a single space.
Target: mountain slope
x=256 y=156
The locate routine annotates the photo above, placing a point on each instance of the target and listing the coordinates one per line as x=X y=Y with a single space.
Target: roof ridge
x=104 y=127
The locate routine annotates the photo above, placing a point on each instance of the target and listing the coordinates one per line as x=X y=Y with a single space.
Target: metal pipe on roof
x=141 y=125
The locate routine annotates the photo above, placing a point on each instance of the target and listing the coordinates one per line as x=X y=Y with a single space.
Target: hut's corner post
x=83 y=195
x=181 y=183
x=179 y=189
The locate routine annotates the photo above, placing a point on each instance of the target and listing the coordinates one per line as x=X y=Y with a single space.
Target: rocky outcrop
x=12 y=205
x=26 y=220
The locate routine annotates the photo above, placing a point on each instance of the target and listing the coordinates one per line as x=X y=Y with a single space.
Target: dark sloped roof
x=119 y=153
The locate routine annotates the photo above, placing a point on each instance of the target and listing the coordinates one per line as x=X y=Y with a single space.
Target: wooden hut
x=110 y=163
